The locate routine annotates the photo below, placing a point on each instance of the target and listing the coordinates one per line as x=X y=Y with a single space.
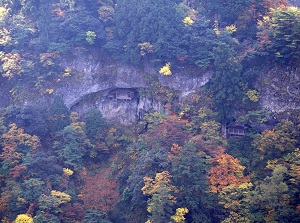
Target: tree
x=73 y=143
x=227 y=172
x=161 y=201
x=17 y=144
x=11 y=65
x=189 y=171
x=237 y=202
x=135 y=21
x=95 y=123
x=32 y=189
x=279 y=34
x=179 y=215
x=58 y=115
x=272 y=194
x=23 y=218
x=227 y=11
x=95 y=216
x=99 y=192
x=278 y=141
x=225 y=85
x=31 y=118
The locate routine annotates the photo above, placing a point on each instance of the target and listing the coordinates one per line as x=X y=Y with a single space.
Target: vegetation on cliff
x=171 y=166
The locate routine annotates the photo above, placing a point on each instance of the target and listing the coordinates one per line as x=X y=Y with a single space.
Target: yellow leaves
x=5 y=37
x=161 y=179
x=149 y=209
x=231 y=29
x=166 y=70
x=68 y=171
x=271 y=164
x=60 y=197
x=23 y=218
x=11 y=65
x=245 y=186
x=188 y=21
x=253 y=95
x=15 y=137
x=179 y=215
x=49 y=90
x=3 y=11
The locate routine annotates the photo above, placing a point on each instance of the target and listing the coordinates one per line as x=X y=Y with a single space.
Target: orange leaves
x=14 y=138
x=227 y=172
x=47 y=59
x=175 y=151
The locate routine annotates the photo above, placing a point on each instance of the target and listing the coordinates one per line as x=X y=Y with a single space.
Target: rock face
x=280 y=89
x=94 y=80
x=97 y=79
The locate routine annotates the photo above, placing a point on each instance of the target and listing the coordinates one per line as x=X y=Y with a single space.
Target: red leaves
x=100 y=191
x=16 y=171
x=171 y=130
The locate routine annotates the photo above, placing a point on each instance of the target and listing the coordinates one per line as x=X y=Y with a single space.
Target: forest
x=216 y=155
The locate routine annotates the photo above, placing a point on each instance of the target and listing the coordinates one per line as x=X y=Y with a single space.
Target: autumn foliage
x=227 y=171
x=99 y=191
x=14 y=138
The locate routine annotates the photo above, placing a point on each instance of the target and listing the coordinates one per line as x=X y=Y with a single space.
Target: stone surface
x=279 y=88
x=93 y=77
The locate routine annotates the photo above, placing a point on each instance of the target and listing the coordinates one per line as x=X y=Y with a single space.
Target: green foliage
x=32 y=119
x=73 y=144
x=134 y=24
x=32 y=189
x=189 y=168
x=58 y=115
x=227 y=11
x=161 y=198
x=90 y=37
x=95 y=123
x=279 y=34
x=94 y=216
x=256 y=116
x=225 y=84
x=220 y=36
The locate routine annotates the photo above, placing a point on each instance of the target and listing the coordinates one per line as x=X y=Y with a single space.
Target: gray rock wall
x=280 y=89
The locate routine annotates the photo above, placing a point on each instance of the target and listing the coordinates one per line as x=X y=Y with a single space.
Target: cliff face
x=98 y=79
x=116 y=89
x=280 y=89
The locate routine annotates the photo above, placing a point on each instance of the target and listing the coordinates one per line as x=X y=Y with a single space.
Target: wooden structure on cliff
x=121 y=94
x=235 y=130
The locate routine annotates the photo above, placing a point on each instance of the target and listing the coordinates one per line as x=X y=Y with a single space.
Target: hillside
x=149 y=111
